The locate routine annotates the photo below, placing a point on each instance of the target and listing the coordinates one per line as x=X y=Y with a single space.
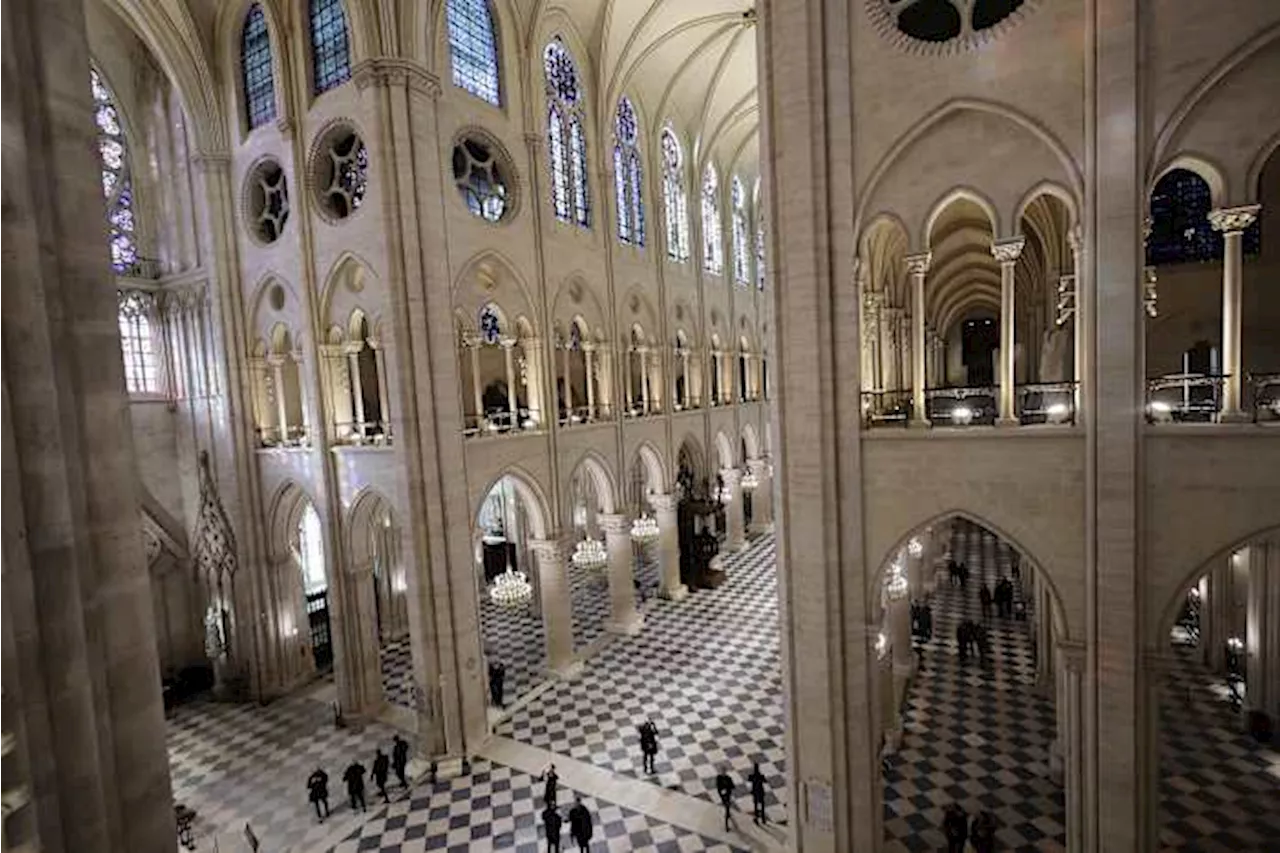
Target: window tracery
x=674 y=200
x=935 y=22
x=473 y=49
x=341 y=172
x=255 y=69
x=330 y=45
x=117 y=182
x=741 y=242
x=627 y=176
x=1180 y=228
x=137 y=346
x=712 y=230
x=566 y=141
x=480 y=177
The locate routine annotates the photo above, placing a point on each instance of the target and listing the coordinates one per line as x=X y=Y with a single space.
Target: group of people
x=580 y=823
x=921 y=621
x=981 y=833
x=1002 y=598
x=353 y=776
x=972 y=637
x=958 y=572
x=725 y=788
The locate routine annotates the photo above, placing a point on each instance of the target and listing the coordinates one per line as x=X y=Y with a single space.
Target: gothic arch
x=1202 y=166
x=365 y=509
x=948 y=198
x=752 y=441
x=596 y=469
x=229 y=28
x=531 y=494
x=350 y=283
x=655 y=472
x=724 y=450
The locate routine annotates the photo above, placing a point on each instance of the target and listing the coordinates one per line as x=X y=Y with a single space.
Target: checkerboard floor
x=397 y=672
x=1219 y=788
x=589 y=602
x=514 y=637
x=706 y=670
x=497 y=808
x=974 y=734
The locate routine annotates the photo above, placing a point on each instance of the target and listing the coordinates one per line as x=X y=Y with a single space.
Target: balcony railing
x=368 y=434
x=639 y=410
x=501 y=422
x=962 y=407
x=293 y=437
x=585 y=415
x=689 y=405
x=1184 y=398
x=148 y=269
x=1047 y=403
x=1266 y=396
x=886 y=408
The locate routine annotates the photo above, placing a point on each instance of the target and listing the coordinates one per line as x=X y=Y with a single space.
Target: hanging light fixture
x=914 y=548
x=896 y=586
x=511 y=589
x=590 y=554
x=644 y=530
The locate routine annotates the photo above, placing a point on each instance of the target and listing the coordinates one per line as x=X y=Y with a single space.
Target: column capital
x=353 y=347
x=731 y=476
x=374 y=343
x=614 y=523
x=918 y=263
x=506 y=342
x=1074 y=654
x=760 y=466
x=1008 y=249
x=663 y=503
x=1233 y=219
x=381 y=71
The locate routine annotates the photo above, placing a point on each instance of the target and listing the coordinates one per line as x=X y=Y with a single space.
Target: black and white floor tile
x=706 y=670
x=589 y=602
x=1219 y=788
x=494 y=807
x=514 y=637
x=975 y=734
x=397 y=672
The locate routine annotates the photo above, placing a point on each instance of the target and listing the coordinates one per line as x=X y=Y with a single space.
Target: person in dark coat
x=962 y=640
x=649 y=745
x=758 y=789
x=724 y=787
x=354 y=777
x=318 y=792
x=400 y=759
x=984 y=596
x=955 y=826
x=926 y=621
x=580 y=825
x=497 y=684
x=982 y=834
x=551 y=782
x=381 y=770
x=551 y=822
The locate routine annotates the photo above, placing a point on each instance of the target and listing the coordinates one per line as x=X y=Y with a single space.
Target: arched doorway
x=1219 y=704
x=378 y=597
x=644 y=480
x=511 y=626
x=590 y=498
x=966 y=690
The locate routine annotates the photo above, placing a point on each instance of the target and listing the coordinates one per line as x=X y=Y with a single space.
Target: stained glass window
x=136 y=310
x=674 y=200
x=712 y=230
x=490 y=327
x=741 y=242
x=117 y=185
x=330 y=48
x=311 y=551
x=627 y=177
x=473 y=48
x=255 y=66
x=570 y=196
x=1180 y=228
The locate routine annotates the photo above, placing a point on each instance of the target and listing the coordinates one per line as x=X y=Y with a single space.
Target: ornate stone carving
x=1230 y=219
x=918 y=263
x=215 y=558
x=1008 y=250
x=394 y=71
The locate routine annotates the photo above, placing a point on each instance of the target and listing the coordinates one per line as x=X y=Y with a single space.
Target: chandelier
x=510 y=589
x=590 y=554
x=896 y=586
x=749 y=480
x=914 y=547
x=644 y=530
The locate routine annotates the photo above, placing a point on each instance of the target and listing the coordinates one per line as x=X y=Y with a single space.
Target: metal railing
x=501 y=422
x=961 y=407
x=1185 y=398
x=1047 y=403
x=886 y=408
x=1266 y=396
x=367 y=434
x=293 y=437
x=585 y=415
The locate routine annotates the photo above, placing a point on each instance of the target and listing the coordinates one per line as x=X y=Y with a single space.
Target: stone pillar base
x=679 y=592
x=1236 y=417
x=1008 y=422
x=919 y=423
x=571 y=668
x=629 y=626
x=446 y=768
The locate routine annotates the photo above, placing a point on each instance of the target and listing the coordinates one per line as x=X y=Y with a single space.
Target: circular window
x=266 y=201
x=340 y=172
x=483 y=178
x=945 y=25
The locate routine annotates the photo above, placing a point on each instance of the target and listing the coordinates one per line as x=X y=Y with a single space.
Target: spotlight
x=1058 y=413
x=962 y=415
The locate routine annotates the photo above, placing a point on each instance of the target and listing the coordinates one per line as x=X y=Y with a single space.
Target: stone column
x=1043 y=617
x=1006 y=252
x=384 y=402
x=735 y=538
x=1218 y=610
x=762 y=497
x=917 y=267
x=360 y=691
x=630 y=386
x=1067 y=759
x=1262 y=634
x=1077 y=319
x=78 y=613
x=688 y=391
x=664 y=509
x=644 y=379
x=473 y=349
x=624 y=619
x=568 y=385
x=533 y=381
x=282 y=406
x=589 y=352
x=557 y=612
x=513 y=404
x=1232 y=222
x=357 y=389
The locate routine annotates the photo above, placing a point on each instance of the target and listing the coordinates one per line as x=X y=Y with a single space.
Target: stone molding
x=918 y=263
x=1008 y=250
x=384 y=71
x=1234 y=219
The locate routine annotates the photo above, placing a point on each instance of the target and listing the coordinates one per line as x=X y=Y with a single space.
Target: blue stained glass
x=627 y=178
x=712 y=230
x=568 y=157
x=117 y=185
x=741 y=243
x=673 y=197
x=330 y=47
x=562 y=73
x=578 y=152
x=490 y=328
x=637 y=199
x=473 y=48
x=559 y=163
x=255 y=66
x=620 y=194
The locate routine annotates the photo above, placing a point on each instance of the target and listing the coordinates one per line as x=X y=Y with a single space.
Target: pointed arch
x=592 y=465
x=530 y=493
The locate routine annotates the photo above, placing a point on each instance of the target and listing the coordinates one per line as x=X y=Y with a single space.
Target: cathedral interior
x=880 y=397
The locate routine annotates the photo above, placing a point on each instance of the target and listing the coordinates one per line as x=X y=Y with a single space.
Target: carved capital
x=1074 y=655
x=1008 y=250
x=1231 y=219
x=918 y=264
x=731 y=476
x=285 y=125
x=533 y=141
x=382 y=71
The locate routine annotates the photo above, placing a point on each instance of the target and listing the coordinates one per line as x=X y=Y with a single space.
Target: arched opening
x=590 y=498
x=379 y=594
x=966 y=685
x=503 y=378
x=644 y=530
x=1046 y=364
x=576 y=388
x=683 y=393
x=643 y=362
x=717 y=362
x=511 y=621
x=284 y=389
x=1220 y=702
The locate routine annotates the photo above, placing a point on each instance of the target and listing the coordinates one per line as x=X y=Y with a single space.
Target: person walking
x=724 y=786
x=649 y=745
x=955 y=826
x=551 y=823
x=551 y=782
x=984 y=596
x=982 y=833
x=757 y=782
x=354 y=777
x=580 y=825
x=318 y=792
x=497 y=684
x=400 y=759
x=381 y=770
